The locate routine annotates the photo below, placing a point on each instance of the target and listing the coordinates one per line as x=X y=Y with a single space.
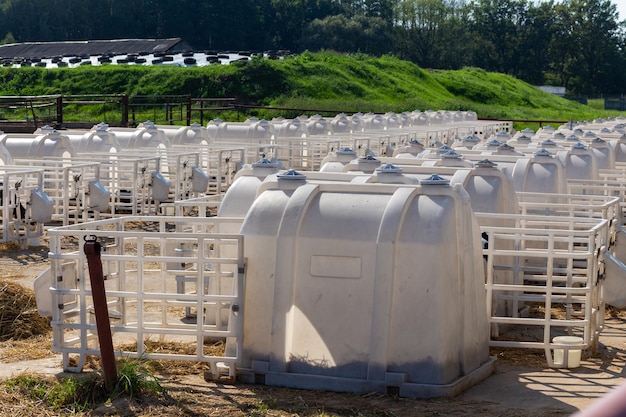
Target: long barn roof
x=31 y=50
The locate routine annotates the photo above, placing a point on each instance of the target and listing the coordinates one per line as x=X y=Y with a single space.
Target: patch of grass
x=501 y=96
x=134 y=378
x=596 y=103
x=70 y=395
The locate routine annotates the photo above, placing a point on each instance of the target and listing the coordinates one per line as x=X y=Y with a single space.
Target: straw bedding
x=19 y=318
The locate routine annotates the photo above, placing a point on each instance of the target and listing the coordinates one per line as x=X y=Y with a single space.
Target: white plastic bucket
x=572 y=359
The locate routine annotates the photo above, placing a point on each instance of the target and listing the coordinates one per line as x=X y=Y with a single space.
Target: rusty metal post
x=188 y=115
x=103 y=325
x=59 y=104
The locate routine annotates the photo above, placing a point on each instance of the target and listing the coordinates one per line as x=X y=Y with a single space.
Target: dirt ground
x=521 y=385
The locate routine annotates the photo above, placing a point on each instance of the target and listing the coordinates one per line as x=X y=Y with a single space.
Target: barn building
x=41 y=50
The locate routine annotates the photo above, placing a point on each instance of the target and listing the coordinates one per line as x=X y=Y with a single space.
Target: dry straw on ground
x=19 y=318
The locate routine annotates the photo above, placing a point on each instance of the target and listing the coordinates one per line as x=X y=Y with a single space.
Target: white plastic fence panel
x=551 y=267
x=574 y=205
x=130 y=179
x=144 y=259
x=18 y=185
x=206 y=206
x=70 y=185
x=177 y=166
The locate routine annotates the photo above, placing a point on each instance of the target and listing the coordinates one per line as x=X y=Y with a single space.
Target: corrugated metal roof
x=31 y=50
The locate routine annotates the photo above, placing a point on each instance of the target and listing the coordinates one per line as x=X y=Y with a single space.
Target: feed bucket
x=568 y=357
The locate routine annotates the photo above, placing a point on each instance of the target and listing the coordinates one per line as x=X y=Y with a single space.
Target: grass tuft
x=135 y=378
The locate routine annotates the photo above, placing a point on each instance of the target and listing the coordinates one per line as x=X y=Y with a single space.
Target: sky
x=621 y=8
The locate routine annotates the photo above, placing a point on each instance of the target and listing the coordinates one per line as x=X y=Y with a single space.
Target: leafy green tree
x=432 y=33
x=453 y=51
x=585 y=48
x=290 y=17
x=380 y=8
x=8 y=38
x=20 y=18
x=369 y=35
x=533 y=44
x=496 y=28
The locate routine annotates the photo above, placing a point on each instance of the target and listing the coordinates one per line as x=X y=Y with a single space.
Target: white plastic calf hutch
x=620 y=148
x=604 y=153
x=410 y=150
x=5 y=156
x=373 y=121
x=289 y=128
x=543 y=173
x=242 y=193
x=99 y=138
x=335 y=161
x=342 y=123
x=195 y=134
x=250 y=131
x=579 y=162
x=146 y=135
x=49 y=144
x=366 y=165
x=342 y=292
x=317 y=125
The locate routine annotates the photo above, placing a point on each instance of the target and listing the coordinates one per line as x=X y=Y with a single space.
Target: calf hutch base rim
x=394 y=383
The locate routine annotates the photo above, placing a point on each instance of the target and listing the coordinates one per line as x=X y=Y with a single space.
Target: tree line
x=577 y=44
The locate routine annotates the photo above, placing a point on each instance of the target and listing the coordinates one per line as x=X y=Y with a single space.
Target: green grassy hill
x=389 y=84
x=324 y=81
